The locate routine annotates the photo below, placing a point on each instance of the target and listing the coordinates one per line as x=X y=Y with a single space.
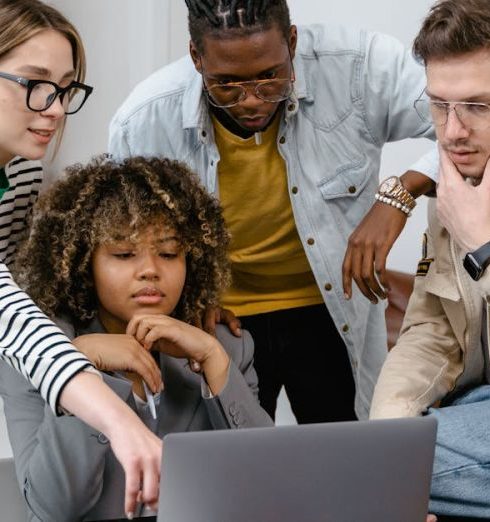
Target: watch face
x=476 y=262
x=472 y=267
x=388 y=185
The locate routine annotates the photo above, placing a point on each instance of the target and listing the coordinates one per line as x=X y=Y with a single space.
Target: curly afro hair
x=93 y=205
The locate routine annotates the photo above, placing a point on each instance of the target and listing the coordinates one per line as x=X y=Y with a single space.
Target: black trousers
x=301 y=350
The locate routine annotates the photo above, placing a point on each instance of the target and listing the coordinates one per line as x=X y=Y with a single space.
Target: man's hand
x=371 y=242
x=463 y=209
x=215 y=315
x=114 y=352
x=368 y=249
x=431 y=518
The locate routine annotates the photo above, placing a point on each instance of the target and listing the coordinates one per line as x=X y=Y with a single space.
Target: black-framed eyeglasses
x=226 y=95
x=472 y=115
x=41 y=94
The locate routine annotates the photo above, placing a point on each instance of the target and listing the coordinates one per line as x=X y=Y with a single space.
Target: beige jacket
x=440 y=349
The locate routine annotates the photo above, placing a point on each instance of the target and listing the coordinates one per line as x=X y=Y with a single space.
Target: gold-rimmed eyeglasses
x=229 y=94
x=472 y=115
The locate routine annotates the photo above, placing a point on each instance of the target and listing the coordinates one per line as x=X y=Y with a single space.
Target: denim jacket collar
x=194 y=106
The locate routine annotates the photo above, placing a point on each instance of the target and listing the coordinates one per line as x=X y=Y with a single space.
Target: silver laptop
x=377 y=471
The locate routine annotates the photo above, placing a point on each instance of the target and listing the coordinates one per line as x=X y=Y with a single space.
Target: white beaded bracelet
x=393 y=203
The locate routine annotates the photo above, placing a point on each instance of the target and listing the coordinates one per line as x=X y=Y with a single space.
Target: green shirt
x=4 y=183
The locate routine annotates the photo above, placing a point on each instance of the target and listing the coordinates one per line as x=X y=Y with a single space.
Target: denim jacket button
x=282 y=140
x=345 y=328
x=328 y=287
x=291 y=107
x=310 y=241
x=352 y=189
x=294 y=190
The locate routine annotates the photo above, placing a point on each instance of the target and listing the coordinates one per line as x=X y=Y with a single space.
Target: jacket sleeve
x=391 y=81
x=118 y=146
x=59 y=461
x=237 y=406
x=426 y=361
x=33 y=345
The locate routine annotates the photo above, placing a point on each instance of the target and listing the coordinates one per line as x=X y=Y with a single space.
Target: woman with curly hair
x=125 y=257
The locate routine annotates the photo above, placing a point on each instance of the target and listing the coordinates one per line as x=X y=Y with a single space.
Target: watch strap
x=399 y=194
x=477 y=261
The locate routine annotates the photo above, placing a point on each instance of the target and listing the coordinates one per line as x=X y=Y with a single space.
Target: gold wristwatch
x=392 y=192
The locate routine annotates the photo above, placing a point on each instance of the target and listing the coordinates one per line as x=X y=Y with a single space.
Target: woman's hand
x=137 y=449
x=181 y=340
x=120 y=352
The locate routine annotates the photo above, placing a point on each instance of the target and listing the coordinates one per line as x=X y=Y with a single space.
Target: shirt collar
x=300 y=85
x=194 y=105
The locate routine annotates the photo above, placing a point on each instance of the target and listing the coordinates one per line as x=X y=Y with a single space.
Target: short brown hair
x=93 y=204
x=452 y=28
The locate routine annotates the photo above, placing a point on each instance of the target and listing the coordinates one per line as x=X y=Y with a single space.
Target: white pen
x=150 y=400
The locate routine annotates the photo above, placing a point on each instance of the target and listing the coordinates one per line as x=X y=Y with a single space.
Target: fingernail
x=130 y=515
x=347 y=296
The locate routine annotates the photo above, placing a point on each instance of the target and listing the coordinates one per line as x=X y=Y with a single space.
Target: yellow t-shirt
x=269 y=267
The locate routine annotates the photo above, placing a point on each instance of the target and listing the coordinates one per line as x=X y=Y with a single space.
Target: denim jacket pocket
x=348 y=181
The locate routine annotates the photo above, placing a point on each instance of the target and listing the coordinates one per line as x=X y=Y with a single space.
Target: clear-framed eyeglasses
x=472 y=115
x=226 y=95
x=41 y=94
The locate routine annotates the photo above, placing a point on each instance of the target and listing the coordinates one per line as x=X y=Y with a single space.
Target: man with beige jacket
x=440 y=365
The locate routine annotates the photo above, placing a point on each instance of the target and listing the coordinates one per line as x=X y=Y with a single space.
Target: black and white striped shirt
x=25 y=179
x=29 y=341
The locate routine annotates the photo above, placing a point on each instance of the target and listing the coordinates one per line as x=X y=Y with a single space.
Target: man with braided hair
x=287 y=126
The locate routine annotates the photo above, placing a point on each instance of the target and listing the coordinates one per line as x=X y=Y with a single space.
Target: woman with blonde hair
x=42 y=70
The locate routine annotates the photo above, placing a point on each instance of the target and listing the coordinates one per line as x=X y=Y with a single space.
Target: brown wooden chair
x=401 y=285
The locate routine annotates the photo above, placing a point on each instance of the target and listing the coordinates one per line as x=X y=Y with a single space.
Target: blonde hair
x=20 y=20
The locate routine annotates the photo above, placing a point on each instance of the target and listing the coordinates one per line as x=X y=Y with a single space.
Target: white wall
x=125 y=40
x=128 y=39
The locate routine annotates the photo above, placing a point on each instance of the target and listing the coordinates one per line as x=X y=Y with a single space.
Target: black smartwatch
x=476 y=262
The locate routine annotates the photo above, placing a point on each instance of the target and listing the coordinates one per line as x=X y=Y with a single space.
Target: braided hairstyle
x=243 y=17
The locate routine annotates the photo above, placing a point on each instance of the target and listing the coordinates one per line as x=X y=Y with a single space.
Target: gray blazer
x=66 y=469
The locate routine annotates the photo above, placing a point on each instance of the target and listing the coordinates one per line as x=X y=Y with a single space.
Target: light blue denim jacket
x=354 y=92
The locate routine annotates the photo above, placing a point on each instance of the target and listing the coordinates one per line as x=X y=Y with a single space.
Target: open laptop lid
x=343 y=472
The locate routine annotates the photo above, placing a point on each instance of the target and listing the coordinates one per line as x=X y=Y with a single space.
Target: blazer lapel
x=181 y=396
